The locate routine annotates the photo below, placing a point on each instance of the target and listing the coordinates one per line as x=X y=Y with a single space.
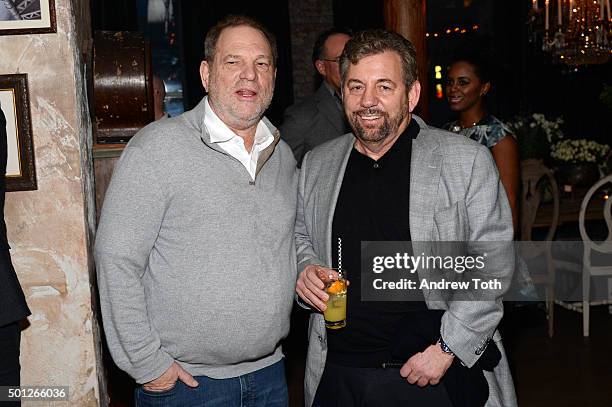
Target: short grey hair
x=372 y=42
x=212 y=36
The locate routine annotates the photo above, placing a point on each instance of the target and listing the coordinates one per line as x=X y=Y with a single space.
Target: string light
x=439 y=92
x=453 y=31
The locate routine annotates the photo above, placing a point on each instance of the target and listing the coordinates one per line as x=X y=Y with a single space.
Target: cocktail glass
x=335 y=313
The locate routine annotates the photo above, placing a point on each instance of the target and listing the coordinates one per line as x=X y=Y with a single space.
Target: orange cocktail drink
x=335 y=313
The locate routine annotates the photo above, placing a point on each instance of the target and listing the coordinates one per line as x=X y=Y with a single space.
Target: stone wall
x=50 y=229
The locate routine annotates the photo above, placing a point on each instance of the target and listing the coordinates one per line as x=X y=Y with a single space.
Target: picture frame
x=14 y=102
x=33 y=17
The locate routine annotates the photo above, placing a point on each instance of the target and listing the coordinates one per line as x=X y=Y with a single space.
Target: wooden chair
x=532 y=173
x=590 y=247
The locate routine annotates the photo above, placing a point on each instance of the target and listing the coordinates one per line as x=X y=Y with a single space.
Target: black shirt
x=372 y=206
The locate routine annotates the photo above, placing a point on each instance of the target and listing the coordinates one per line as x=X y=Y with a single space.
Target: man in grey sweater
x=195 y=252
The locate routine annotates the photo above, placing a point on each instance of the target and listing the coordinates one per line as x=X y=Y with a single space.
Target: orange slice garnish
x=336 y=287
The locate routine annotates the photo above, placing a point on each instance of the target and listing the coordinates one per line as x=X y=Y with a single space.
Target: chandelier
x=574 y=32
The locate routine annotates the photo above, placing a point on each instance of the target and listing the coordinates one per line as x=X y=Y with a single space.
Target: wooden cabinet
x=105 y=156
x=123 y=85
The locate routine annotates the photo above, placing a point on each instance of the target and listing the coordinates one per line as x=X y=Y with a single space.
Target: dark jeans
x=262 y=388
x=342 y=386
x=10 y=338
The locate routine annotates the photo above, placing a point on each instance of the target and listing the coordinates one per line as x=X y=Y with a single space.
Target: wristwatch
x=445 y=347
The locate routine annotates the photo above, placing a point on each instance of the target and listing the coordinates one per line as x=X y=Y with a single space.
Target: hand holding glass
x=335 y=313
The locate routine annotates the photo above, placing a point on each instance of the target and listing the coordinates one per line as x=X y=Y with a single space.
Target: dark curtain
x=114 y=15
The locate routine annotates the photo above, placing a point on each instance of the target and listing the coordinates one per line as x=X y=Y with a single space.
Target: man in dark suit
x=13 y=306
x=320 y=117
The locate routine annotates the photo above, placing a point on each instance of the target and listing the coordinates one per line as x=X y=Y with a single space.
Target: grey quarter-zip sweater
x=196 y=261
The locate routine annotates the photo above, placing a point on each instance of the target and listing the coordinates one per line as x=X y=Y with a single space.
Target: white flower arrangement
x=535 y=134
x=537 y=121
x=579 y=151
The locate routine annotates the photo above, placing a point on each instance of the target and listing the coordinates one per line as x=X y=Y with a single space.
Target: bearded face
x=375 y=125
x=376 y=100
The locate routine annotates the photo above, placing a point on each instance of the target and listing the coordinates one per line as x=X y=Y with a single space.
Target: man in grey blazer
x=319 y=117
x=395 y=178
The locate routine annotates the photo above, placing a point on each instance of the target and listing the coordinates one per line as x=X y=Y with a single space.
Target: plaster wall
x=50 y=229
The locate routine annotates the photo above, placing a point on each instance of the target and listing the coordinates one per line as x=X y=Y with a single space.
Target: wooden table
x=569 y=209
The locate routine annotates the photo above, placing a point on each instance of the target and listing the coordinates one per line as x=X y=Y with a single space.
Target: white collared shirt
x=233 y=144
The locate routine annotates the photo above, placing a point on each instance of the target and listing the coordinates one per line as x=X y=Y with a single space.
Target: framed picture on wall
x=27 y=17
x=15 y=105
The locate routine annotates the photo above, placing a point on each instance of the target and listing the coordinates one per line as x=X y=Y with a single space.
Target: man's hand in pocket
x=169 y=378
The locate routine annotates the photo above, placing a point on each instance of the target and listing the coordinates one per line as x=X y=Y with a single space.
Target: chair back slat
x=532 y=172
x=606 y=245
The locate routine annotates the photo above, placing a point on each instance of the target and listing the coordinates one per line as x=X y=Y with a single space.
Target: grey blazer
x=455 y=195
x=313 y=121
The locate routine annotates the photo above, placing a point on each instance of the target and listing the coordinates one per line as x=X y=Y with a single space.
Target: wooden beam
x=409 y=18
